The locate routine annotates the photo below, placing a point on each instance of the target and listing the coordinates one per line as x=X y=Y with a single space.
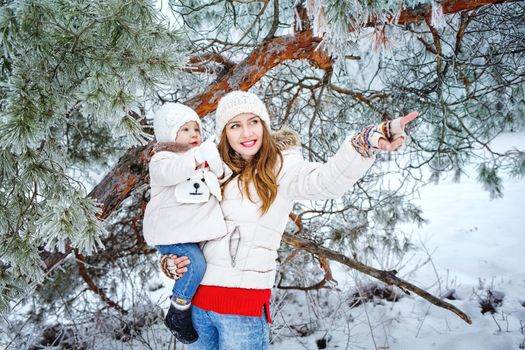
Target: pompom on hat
x=235 y=103
x=168 y=119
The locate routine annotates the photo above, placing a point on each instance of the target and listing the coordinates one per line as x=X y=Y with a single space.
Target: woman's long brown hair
x=262 y=169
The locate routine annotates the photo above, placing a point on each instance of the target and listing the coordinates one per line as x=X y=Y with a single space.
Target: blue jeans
x=229 y=332
x=185 y=287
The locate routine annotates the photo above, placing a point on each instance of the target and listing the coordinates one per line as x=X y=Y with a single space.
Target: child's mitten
x=208 y=152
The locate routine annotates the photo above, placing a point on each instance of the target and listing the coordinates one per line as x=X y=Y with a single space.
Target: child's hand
x=208 y=152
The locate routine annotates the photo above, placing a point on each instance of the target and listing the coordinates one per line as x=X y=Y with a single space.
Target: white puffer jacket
x=246 y=256
x=167 y=220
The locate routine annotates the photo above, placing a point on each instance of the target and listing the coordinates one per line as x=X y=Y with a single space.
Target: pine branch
x=132 y=168
x=275 y=21
x=271 y=53
x=202 y=62
x=449 y=7
x=439 y=58
x=388 y=277
x=360 y=97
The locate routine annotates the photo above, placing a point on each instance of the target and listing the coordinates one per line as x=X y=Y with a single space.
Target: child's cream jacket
x=166 y=219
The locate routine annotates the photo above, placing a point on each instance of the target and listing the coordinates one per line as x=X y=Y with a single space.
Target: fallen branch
x=388 y=277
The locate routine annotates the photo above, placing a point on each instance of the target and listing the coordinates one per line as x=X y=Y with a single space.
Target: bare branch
x=92 y=286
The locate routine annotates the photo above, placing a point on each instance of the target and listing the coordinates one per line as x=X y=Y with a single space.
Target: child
x=184 y=206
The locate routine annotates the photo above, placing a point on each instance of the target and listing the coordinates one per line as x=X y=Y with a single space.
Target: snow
x=475 y=244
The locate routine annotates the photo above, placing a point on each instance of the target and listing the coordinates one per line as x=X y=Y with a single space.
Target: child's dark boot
x=178 y=320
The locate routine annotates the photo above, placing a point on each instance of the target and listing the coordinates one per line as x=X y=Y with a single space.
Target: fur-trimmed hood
x=174 y=147
x=286 y=138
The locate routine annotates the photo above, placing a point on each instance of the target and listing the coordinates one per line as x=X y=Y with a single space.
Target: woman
x=231 y=307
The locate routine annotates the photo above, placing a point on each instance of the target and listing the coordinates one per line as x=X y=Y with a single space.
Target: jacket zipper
x=235 y=241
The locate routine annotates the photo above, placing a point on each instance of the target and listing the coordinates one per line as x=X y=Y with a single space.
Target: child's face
x=190 y=134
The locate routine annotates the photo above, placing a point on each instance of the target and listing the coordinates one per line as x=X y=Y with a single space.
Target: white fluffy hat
x=235 y=103
x=169 y=118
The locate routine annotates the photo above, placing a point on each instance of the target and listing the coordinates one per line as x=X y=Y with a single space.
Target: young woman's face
x=245 y=134
x=189 y=134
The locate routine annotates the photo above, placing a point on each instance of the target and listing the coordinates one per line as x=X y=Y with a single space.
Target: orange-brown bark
x=449 y=7
x=268 y=55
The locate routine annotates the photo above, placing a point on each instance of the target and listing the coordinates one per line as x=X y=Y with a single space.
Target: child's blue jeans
x=185 y=287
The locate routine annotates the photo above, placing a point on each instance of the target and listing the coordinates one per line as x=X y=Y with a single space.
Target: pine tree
x=75 y=75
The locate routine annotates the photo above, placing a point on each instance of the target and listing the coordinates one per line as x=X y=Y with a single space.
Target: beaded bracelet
x=386 y=131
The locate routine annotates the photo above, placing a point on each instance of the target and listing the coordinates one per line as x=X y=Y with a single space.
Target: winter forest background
x=79 y=82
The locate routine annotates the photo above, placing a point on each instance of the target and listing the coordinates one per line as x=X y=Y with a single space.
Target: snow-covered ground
x=475 y=244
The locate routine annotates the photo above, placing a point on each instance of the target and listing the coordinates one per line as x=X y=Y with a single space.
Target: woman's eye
x=234 y=126
x=255 y=121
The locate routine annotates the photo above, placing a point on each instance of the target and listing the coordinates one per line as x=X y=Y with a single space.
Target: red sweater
x=234 y=301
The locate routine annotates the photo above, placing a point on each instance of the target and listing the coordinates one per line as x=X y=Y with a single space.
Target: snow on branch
x=339 y=23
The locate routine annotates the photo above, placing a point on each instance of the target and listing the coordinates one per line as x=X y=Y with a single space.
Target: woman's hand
x=174 y=267
x=388 y=136
x=392 y=134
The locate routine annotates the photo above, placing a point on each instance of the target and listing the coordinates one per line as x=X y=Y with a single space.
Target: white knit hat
x=169 y=118
x=235 y=103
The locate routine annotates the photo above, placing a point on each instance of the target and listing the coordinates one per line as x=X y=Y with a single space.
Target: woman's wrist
x=361 y=142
